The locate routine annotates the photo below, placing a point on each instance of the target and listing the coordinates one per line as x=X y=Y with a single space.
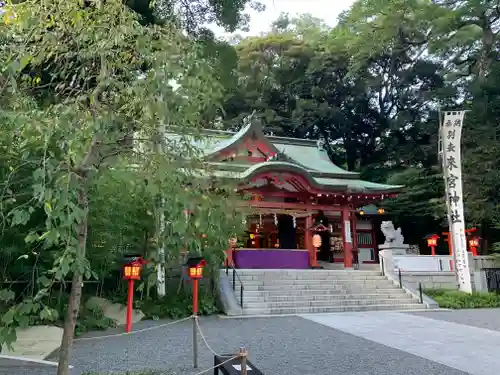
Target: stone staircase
x=320 y=291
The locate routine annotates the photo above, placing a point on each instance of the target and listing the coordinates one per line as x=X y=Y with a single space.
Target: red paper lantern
x=316 y=240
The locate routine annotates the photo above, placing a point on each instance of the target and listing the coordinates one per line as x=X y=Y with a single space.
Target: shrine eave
x=310 y=183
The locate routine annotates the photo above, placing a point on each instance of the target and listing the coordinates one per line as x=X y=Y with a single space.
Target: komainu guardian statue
x=392 y=236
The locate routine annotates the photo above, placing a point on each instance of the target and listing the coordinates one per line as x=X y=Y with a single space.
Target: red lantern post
x=195 y=273
x=432 y=242
x=473 y=245
x=132 y=272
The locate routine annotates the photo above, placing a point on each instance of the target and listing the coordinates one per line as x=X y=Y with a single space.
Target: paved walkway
x=376 y=343
x=459 y=346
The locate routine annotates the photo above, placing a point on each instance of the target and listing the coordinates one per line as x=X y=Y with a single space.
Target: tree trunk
x=76 y=290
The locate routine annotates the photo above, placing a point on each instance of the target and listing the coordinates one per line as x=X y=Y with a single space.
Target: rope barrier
x=204 y=338
x=220 y=364
x=133 y=332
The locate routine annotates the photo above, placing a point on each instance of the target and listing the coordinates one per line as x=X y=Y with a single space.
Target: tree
x=82 y=94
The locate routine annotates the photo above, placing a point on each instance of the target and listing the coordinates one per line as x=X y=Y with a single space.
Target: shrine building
x=296 y=191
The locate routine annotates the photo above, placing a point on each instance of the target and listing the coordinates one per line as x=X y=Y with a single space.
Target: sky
x=328 y=10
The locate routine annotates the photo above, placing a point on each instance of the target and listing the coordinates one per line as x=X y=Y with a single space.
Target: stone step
x=324 y=283
x=322 y=297
x=274 y=273
x=249 y=278
x=327 y=292
x=338 y=303
x=331 y=309
x=316 y=286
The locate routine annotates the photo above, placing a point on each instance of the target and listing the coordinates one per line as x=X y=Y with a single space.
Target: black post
x=234 y=279
x=216 y=366
x=421 y=293
x=400 y=278
x=241 y=295
x=195 y=343
x=382 y=264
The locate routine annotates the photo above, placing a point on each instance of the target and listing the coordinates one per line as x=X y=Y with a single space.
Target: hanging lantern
x=380 y=211
x=233 y=242
x=361 y=212
x=275 y=219
x=316 y=240
x=294 y=222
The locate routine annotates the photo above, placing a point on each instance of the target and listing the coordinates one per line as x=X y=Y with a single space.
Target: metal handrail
x=235 y=276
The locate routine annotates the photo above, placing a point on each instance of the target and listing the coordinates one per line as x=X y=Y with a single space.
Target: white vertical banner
x=347 y=231
x=451 y=134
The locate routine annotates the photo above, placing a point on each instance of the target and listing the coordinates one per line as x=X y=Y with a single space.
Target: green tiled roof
x=303 y=156
x=311 y=157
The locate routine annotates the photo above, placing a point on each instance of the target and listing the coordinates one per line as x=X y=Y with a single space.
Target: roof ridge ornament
x=321 y=143
x=248 y=119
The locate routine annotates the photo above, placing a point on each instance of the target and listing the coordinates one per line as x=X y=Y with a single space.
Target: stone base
x=395 y=249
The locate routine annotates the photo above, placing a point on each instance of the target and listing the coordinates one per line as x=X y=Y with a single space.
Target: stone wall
x=430 y=280
x=443 y=280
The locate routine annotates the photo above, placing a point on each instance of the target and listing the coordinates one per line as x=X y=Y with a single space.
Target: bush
x=452 y=299
x=177 y=306
x=92 y=320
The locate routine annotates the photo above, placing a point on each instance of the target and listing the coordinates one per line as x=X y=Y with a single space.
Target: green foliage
x=92 y=319
x=90 y=169
x=178 y=305
x=376 y=103
x=451 y=299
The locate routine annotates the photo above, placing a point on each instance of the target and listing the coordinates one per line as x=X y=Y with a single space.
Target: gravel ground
x=277 y=346
x=481 y=318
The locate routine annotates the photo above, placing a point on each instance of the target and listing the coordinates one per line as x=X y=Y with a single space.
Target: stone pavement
x=278 y=346
x=462 y=347
x=35 y=342
x=481 y=318
x=375 y=343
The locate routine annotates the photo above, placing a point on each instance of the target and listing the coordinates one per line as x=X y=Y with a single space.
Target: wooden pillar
x=346 y=236
x=313 y=262
x=229 y=257
x=448 y=240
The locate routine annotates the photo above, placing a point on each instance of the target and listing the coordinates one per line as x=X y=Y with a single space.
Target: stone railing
x=390 y=269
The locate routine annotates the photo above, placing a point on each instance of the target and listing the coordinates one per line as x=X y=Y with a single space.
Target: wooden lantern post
x=131 y=272
x=195 y=272
x=432 y=242
x=473 y=245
